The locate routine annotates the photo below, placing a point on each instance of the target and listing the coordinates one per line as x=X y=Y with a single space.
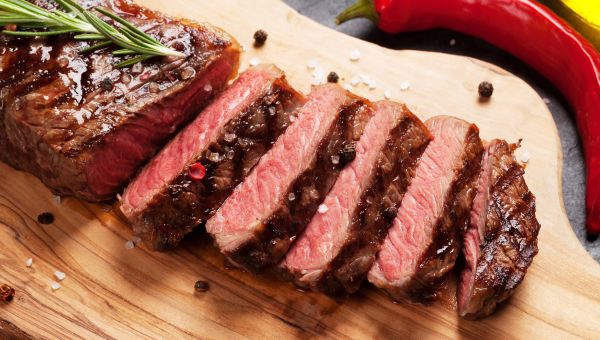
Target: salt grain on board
x=354 y=81
x=29 y=262
x=254 y=61
x=525 y=156
x=355 y=55
x=404 y=86
x=323 y=208
x=387 y=94
x=136 y=239
x=129 y=245
x=312 y=64
x=54 y=285
x=59 y=275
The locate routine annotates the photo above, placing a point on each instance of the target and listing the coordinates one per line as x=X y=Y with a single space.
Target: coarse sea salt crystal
x=57 y=199
x=335 y=159
x=404 y=85
x=54 y=285
x=254 y=61
x=354 y=81
x=452 y=42
x=546 y=101
x=207 y=88
x=323 y=208
x=365 y=79
x=387 y=94
x=312 y=64
x=29 y=262
x=129 y=245
x=291 y=196
x=136 y=239
x=347 y=87
x=372 y=85
x=525 y=156
x=59 y=275
x=355 y=55
x=214 y=157
x=243 y=47
x=230 y=137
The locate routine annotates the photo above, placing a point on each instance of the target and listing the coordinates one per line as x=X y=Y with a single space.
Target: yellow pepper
x=583 y=15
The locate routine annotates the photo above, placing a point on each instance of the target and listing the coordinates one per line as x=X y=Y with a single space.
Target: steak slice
x=165 y=202
x=424 y=240
x=338 y=247
x=84 y=127
x=256 y=225
x=501 y=240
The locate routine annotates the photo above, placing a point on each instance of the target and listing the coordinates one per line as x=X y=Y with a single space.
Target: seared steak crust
x=276 y=233
x=443 y=252
x=185 y=202
x=84 y=127
x=509 y=240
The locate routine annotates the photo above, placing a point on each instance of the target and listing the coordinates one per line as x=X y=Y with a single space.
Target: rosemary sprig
x=33 y=21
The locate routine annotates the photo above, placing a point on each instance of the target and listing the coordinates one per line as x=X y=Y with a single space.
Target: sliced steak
x=84 y=127
x=501 y=240
x=338 y=247
x=256 y=225
x=423 y=243
x=166 y=201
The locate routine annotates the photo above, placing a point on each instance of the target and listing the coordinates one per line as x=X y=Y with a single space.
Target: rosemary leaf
x=34 y=21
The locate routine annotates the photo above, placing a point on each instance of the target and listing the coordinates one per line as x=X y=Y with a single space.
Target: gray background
x=438 y=40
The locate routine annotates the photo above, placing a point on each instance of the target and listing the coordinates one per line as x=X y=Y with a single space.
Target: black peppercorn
x=332 y=77
x=7 y=293
x=45 y=218
x=106 y=84
x=486 y=89
x=201 y=286
x=347 y=154
x=260 y=37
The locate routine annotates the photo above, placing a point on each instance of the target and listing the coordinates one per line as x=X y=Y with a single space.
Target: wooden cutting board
x=113 y=292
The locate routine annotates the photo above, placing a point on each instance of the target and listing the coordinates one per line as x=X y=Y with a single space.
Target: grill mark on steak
x=398 y=148
x=79 y=138
x=258 y=222
x=185 y=203
x=498 y=254
x=418 y=281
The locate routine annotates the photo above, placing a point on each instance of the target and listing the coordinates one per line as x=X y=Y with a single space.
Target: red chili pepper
x=197 y=171
x=533 y=34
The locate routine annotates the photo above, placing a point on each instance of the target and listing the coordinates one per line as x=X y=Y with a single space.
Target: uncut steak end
x=338 y=247
x=170 y=197
x=84 y=127
x=425 y=238
x=256 y=225
x=501 y=240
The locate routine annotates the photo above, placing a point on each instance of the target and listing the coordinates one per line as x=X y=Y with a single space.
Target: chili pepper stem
x=360 y=9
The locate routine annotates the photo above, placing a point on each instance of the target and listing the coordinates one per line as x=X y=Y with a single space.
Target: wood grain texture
x=112 y=292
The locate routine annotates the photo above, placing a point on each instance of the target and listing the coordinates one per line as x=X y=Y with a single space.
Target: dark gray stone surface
x=438 y=40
